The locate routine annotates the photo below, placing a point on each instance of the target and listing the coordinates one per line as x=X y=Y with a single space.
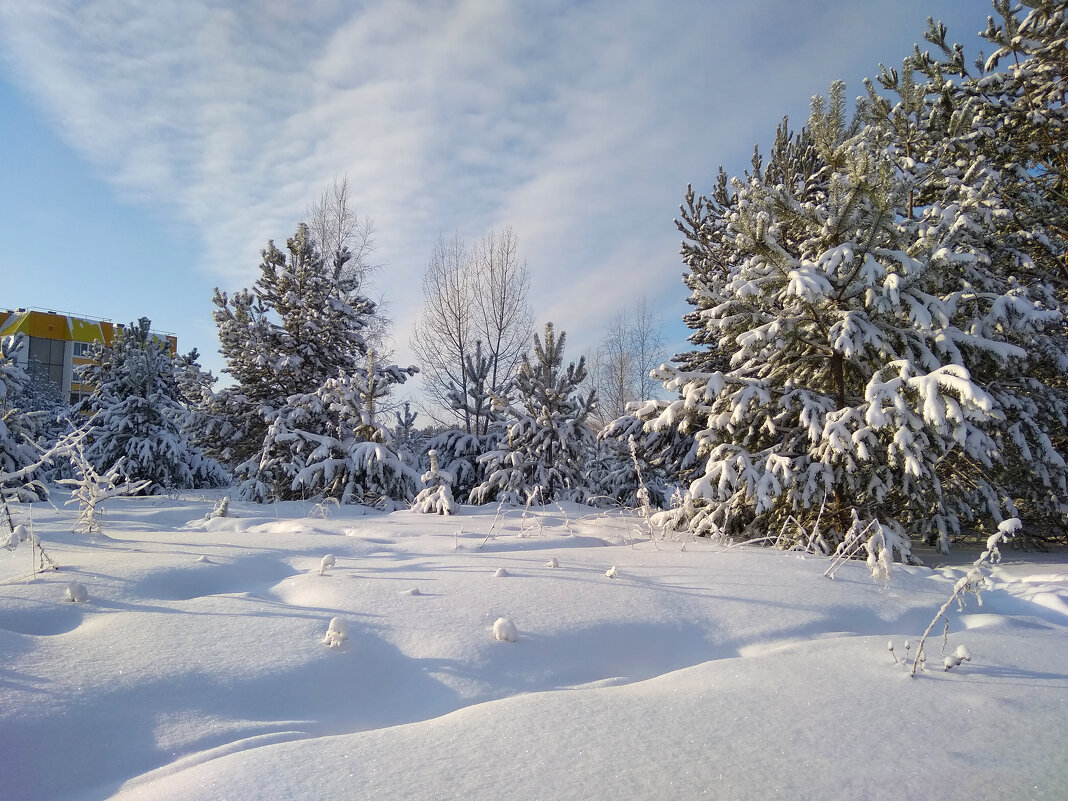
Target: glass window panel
x=39 y=349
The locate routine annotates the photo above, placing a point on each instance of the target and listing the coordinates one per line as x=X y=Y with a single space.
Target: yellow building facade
x=59 y=344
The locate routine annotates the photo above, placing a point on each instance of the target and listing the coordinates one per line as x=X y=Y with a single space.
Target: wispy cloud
x=577 y=123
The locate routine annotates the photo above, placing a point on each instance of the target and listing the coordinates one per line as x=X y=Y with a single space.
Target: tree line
x=879 y=350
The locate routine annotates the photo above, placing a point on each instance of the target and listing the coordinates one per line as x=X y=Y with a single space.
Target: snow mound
x=505 y=630
x=77 y=593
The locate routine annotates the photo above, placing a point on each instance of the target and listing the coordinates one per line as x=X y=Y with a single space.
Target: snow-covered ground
x=197 y=668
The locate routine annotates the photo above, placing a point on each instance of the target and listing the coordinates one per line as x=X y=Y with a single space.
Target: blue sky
x=148 y=151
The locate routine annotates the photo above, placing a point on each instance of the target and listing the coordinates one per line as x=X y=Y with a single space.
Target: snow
x=199 y=665
x=505 y=630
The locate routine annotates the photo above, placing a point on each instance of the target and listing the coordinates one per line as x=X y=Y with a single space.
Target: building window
x=83 y=349
x=46 y=355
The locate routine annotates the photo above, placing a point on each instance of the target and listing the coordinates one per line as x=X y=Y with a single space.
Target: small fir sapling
x=327 y=563
x=549 y=441
x=222 y=508
x=336 y=633
x=505 y=630
x=436 y=496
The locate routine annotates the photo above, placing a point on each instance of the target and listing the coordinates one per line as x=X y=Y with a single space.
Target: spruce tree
x=139 y=422
x=549 y=438
x=17 y=454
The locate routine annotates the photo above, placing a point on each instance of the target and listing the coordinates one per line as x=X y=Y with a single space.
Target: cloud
x=576 y=123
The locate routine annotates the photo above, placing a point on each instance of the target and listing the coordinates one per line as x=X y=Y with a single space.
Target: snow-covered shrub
x=77 y=593
x=880 y=543
x=505 y=630
x=436 y=496
x=91 y=489
x=327 y=562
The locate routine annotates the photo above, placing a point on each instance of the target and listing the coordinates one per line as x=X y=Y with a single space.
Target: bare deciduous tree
x=335 y=226
x=443 y=333
x=632 y=346
x=475 y=308
x=504 y=321
x=647 y=348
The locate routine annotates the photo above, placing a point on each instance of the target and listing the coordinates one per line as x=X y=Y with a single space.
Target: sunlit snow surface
x=199 y=668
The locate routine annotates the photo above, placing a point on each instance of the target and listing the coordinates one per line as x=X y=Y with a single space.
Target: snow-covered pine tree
x=17 y=454
x=138 y=423
x=458 y=454
x=1016 y=122
x=549 y=439
x=666 y=456
x=325 y=444
x=473 y=401
x=863 y=359
x=459 y=450
x=1000 y=134
x=300 y=419
x=46 y=409
x=407 y=438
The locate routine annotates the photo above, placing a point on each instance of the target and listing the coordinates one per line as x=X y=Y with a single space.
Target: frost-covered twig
x=849 y=547
x=972 y=582
x=321 y=510
x=91 y=489
x=567 y=521
x=643 y=493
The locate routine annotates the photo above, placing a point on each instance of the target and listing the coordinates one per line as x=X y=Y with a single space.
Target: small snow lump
x=337 y=633
x=504 y=630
